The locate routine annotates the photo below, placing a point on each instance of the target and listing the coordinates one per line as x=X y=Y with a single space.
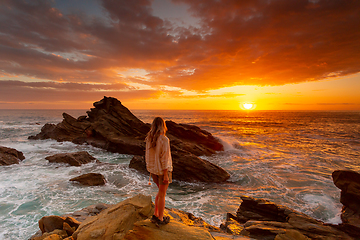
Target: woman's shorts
x=159 y=179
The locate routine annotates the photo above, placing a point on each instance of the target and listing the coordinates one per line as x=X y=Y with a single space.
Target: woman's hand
x=166 y=176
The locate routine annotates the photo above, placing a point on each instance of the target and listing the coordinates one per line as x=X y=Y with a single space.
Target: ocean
x=282 y=156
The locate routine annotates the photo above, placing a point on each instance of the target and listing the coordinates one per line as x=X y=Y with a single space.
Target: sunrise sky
x=180 y=54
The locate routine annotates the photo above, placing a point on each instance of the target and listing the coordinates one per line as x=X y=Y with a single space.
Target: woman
x=159 y=164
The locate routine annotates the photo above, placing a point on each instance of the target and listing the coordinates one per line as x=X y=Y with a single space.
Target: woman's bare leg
x=161 y=200
x=156 y=210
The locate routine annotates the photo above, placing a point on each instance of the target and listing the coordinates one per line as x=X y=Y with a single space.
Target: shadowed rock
x=10 y=156
x=111 y=126
x=263 y=219
x=90 y=179
x=349 y=183
x=73 y=159
x=187 y=167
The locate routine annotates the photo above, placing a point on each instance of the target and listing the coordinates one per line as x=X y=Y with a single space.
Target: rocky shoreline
x=254 y=219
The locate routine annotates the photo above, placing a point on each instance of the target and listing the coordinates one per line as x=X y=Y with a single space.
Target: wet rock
x=263 y=219
x=90 y=179
x=10 y=156
x=349 y=183
x=187 y=167
x=350 y=222
x=73 y=159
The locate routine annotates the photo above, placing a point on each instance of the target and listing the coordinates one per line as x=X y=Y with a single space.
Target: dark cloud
x=274 y=42
x=238 y=42
x=18 y=91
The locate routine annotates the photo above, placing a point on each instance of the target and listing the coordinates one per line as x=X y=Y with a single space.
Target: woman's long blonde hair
x=158 y=127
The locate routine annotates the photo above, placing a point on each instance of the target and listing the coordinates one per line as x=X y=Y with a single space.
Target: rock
x=350 y=222
x=53 y=237
x=189 y=219
x=233 y=227
x=50 y=223
x=203 y=143
x=174 y=230
x=129 y=219
x=349 y=183
x=91 y=210
x=73 y=159
x=266 y=220
x=290 y=235
x=10 y=156
x=90 y=179
x=57 y=234
x=116 y=221
x=111 y=126
x=187 y=167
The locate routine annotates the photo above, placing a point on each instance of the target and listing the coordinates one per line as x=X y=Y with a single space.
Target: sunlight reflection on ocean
x=285 y=157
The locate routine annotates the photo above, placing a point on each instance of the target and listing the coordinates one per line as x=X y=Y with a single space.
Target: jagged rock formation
x=73 y=159
x=262 y=219
x=111 y=126
x=10 y=156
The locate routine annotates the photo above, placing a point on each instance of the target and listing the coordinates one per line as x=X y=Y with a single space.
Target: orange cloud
x=235 y=43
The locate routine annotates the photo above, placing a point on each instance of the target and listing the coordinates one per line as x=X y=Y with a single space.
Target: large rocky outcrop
x=10 y=156
x=261 y=219
x=111 y=126
x=128 y=219
x=187 y=167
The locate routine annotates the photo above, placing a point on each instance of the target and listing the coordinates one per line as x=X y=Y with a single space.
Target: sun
x=247 y=106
